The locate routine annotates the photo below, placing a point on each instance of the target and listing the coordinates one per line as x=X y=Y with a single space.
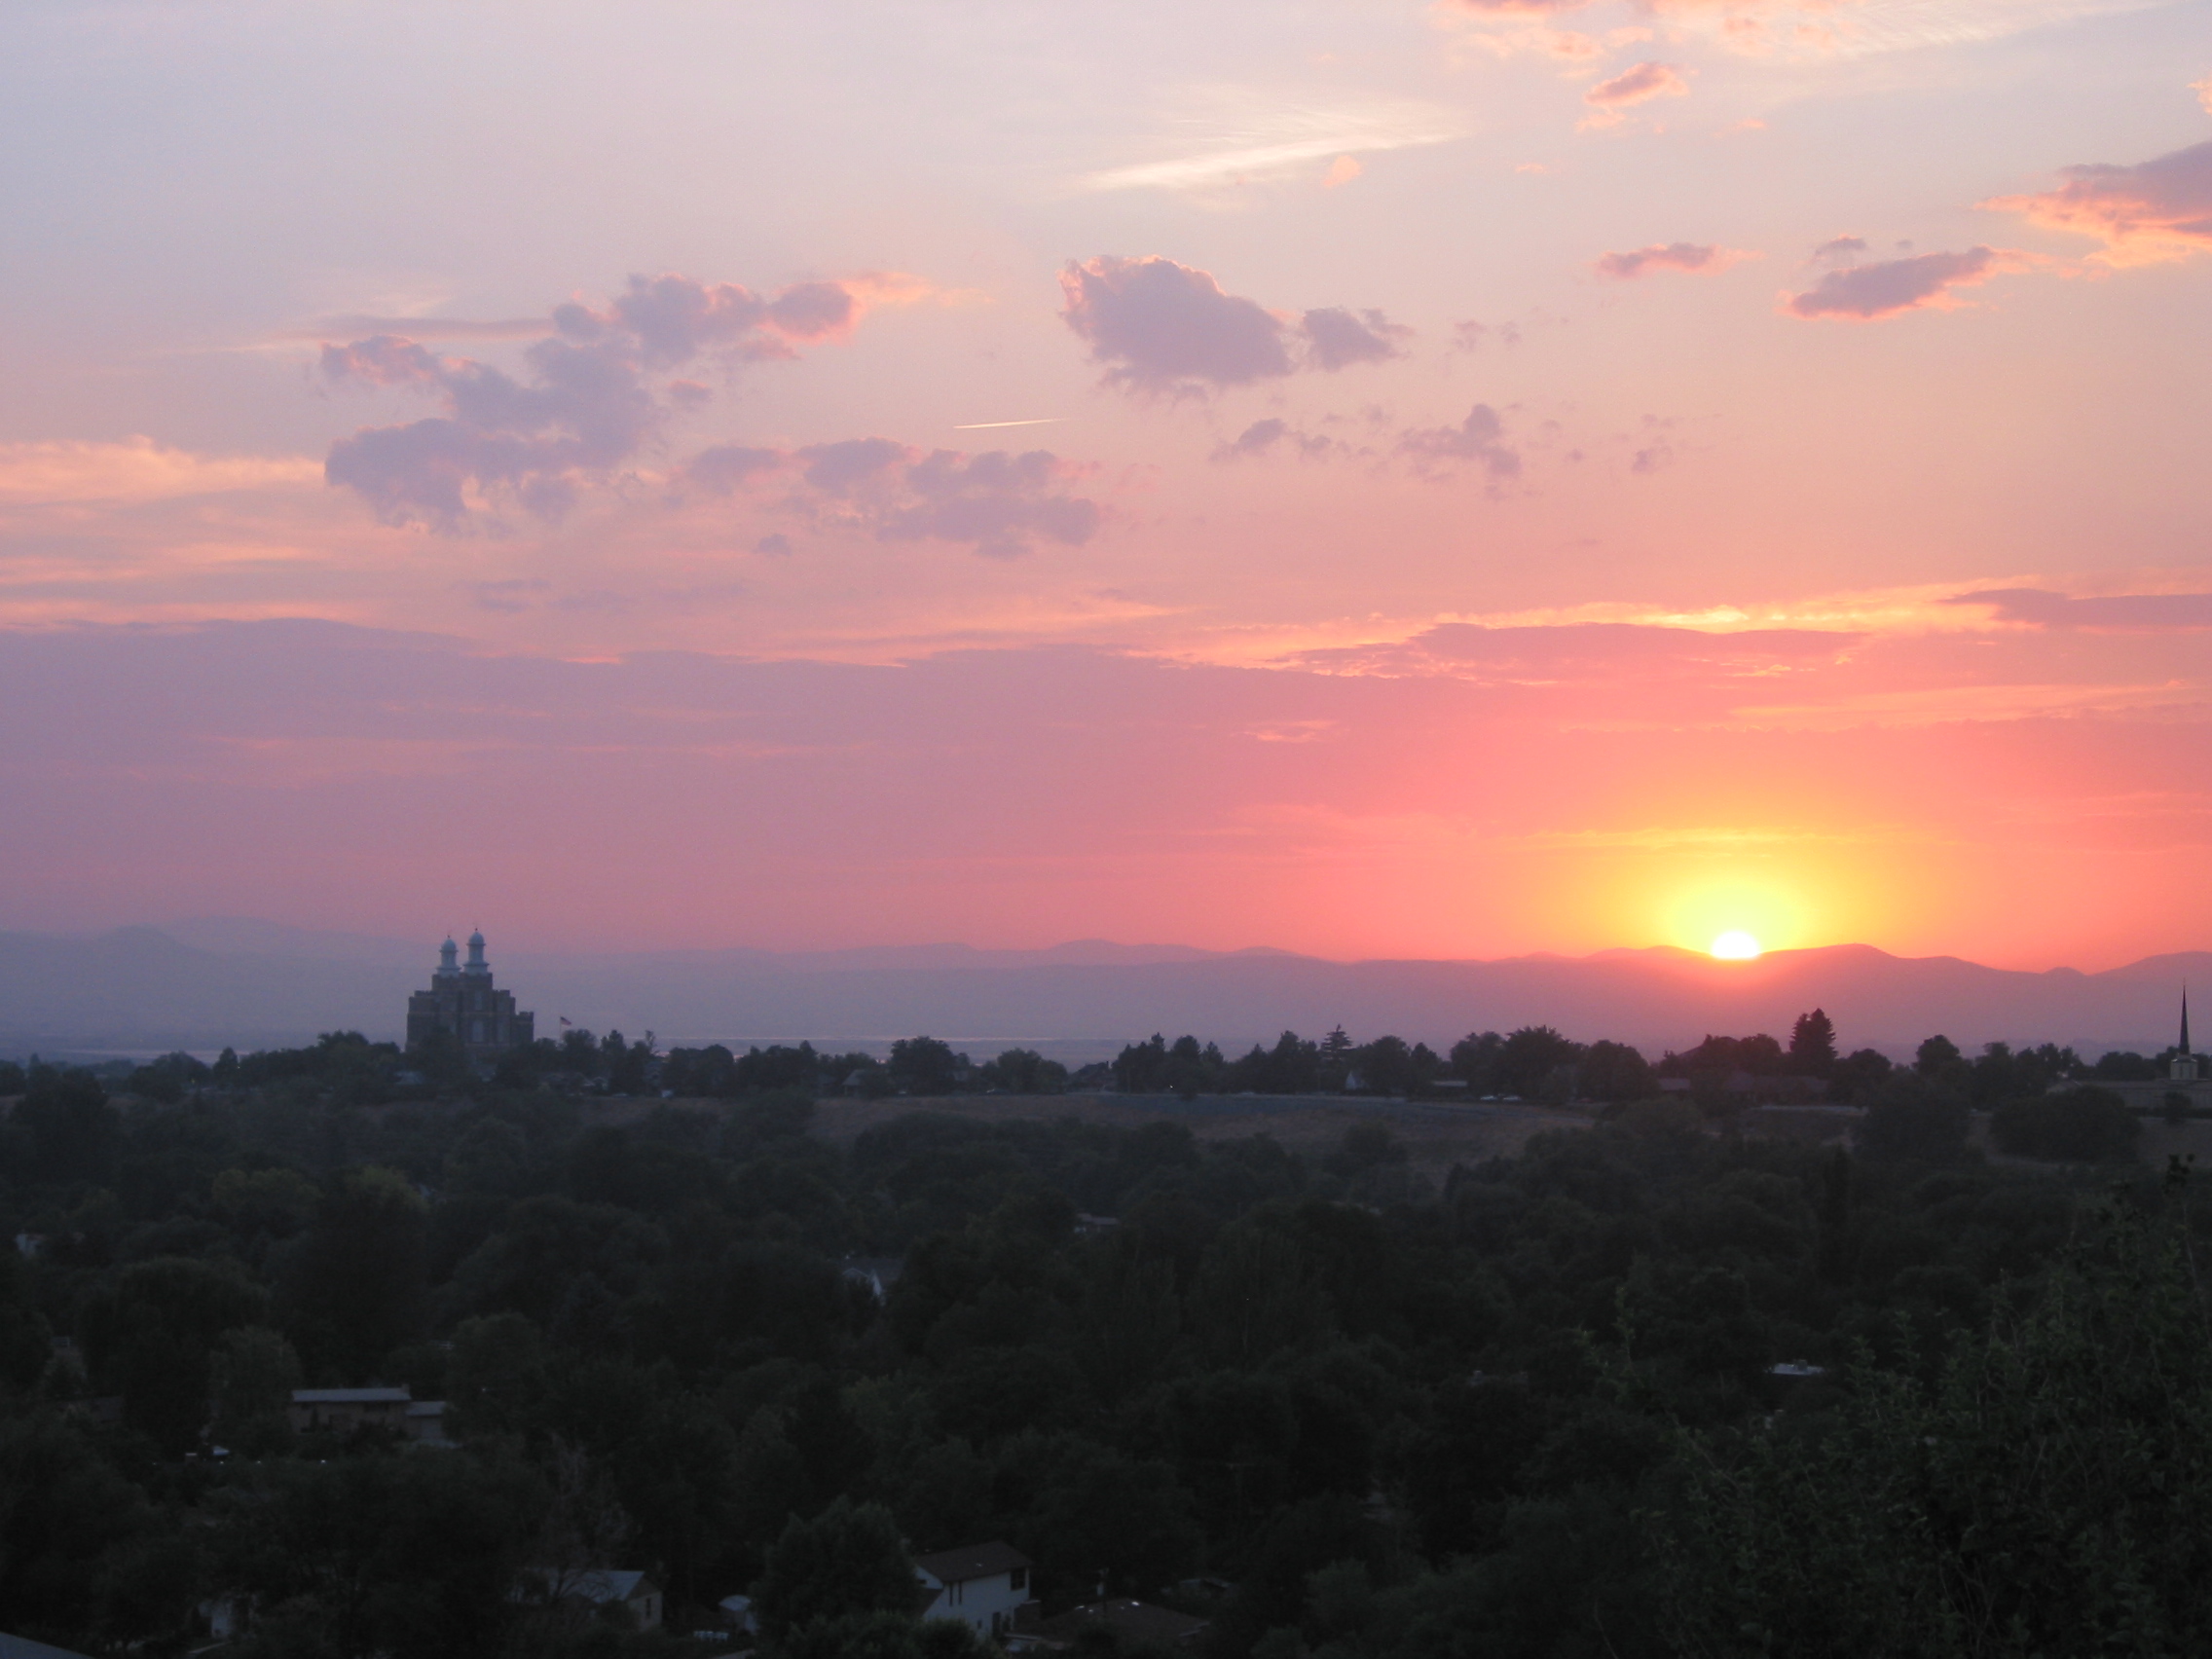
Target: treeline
x=1533 y=1409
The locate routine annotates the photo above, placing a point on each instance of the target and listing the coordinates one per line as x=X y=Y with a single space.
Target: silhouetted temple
x=463 y=1001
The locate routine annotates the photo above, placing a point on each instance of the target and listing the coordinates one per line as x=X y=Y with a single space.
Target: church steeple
x=2184 y=1066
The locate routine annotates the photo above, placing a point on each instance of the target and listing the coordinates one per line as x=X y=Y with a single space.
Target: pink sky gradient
x=1432 y=480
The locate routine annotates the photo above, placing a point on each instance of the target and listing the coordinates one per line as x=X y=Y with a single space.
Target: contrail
x=980 y=425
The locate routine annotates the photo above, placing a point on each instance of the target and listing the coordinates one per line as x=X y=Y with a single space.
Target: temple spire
x=2185 y=1048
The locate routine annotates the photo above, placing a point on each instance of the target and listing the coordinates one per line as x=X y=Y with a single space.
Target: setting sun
x=1736 y=947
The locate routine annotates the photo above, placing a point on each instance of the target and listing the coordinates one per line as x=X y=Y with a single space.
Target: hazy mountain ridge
x=141 y=987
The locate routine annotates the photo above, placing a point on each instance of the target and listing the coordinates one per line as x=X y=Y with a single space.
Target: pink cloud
x=1925 y=281
x=1699 y=257
x=2157 y=209
x=1161 y=328
x=1638 y=83
x=136 y=470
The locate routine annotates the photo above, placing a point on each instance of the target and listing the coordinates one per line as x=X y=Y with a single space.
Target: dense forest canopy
x=1652 y=1386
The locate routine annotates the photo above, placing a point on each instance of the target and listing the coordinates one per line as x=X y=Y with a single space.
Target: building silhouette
x=463 y=1004
x=2186 y=1080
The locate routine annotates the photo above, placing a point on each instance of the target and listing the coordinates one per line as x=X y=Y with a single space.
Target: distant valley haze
x=202 y=983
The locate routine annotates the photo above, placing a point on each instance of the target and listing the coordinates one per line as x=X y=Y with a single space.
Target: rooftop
x=350 y=1396
x=976 y=1560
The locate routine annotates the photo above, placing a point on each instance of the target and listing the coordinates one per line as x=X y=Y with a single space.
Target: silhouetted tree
x=923 y=1065
x=2081 y=1124
x=357 y=1283
x=847 y=1560
x=1812 y=1045
x=1614 y=1072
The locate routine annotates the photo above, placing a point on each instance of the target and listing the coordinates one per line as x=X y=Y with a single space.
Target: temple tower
x=464 y=1002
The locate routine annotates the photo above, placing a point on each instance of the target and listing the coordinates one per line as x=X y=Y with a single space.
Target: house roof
x=1138 y=1619
x=350 y=1396
x=976 y=1560
x=24 y=1647
x=610 y=1585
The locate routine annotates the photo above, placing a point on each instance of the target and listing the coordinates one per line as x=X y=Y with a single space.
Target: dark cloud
x=1888 y=286
x=998 y=504
x=1480 y=438
x=1161 y=328
x=2128 y=612
x=589 y=401
x=1839 y=250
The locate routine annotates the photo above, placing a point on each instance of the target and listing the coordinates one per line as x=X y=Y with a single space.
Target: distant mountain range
x=204 y=983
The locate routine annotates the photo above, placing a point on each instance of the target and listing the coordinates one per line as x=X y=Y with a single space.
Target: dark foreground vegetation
x=1652 y=1386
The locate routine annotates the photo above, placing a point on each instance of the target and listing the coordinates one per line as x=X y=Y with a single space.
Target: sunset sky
x=1367 y=478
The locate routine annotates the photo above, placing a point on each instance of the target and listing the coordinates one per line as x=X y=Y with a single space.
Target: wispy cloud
x=1639 y=83
x=1700 y=258
x=137 y=469
x=1251 y=145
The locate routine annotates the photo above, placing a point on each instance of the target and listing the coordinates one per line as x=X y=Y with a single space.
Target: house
x=396 y=1411
x=609 y=1587
x=981 y=1585
x=1130 y=1621
x=743 y=1620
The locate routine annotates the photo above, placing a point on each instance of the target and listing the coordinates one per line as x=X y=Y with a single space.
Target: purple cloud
x=1263 y=437
x=1336 y=339
x=1161 y=328
x=1701 y=257
x=2153 y=210
x=726 y=467
x=588 y=402
x=998 y=504
x=2127 y=613
x=1888 y=286
x=673 y=318
x=1480 y=437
